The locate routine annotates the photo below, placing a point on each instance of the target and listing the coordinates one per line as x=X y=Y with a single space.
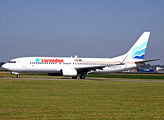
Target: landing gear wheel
x=75 y=77
x=82 y=76
x=18 y=76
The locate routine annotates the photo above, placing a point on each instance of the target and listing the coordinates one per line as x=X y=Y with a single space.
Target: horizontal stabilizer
x=147 y=60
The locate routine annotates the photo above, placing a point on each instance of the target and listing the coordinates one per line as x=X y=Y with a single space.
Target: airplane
x=72 y=66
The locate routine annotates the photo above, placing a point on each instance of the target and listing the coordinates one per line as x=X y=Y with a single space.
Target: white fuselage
x=55 y=64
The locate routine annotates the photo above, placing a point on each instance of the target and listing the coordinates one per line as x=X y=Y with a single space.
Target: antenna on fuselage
x=76 y=56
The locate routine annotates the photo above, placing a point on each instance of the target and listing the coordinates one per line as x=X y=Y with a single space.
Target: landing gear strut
x=82 y=76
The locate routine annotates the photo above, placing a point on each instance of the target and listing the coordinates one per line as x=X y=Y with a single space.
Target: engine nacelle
x=69 y=72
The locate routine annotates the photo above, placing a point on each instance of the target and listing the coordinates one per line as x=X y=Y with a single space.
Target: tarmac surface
x=123 y=80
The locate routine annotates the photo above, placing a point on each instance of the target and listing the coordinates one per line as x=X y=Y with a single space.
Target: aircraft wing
x=94 y=68
x=87 y=69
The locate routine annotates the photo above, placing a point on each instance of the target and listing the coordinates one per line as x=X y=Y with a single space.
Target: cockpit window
x=12 y=62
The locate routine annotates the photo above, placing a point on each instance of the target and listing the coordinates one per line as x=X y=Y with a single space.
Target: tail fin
x=137 y=52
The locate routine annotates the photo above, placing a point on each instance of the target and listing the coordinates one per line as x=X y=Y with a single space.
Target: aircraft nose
x=4 y=66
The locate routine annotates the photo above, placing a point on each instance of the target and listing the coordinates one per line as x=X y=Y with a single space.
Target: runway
x=88 y=79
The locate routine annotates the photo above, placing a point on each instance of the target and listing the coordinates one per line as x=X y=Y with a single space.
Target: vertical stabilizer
x=137 y=52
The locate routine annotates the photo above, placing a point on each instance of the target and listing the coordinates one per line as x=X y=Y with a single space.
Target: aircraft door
x=24 y=64
x=125 y=66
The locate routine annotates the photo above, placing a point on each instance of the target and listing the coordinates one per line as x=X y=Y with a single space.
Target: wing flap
x=90 y=68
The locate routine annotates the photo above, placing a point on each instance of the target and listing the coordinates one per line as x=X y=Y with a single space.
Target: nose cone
x=4 y=66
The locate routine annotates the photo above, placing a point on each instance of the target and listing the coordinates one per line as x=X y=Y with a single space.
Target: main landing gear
x=82 y=76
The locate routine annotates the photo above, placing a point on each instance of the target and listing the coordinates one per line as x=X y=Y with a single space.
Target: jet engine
x=69 y=72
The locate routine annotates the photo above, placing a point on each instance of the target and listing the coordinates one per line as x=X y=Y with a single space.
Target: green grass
x=112 y=75
x=129 y=76
x=80 y=99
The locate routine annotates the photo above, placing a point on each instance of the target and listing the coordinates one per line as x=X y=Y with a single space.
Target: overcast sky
x=87 y=28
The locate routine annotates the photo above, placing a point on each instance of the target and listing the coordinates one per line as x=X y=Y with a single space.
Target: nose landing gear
x=16 y=73
x=18 y=76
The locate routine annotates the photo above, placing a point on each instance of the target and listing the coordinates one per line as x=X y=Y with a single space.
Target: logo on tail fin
x=139 y=51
